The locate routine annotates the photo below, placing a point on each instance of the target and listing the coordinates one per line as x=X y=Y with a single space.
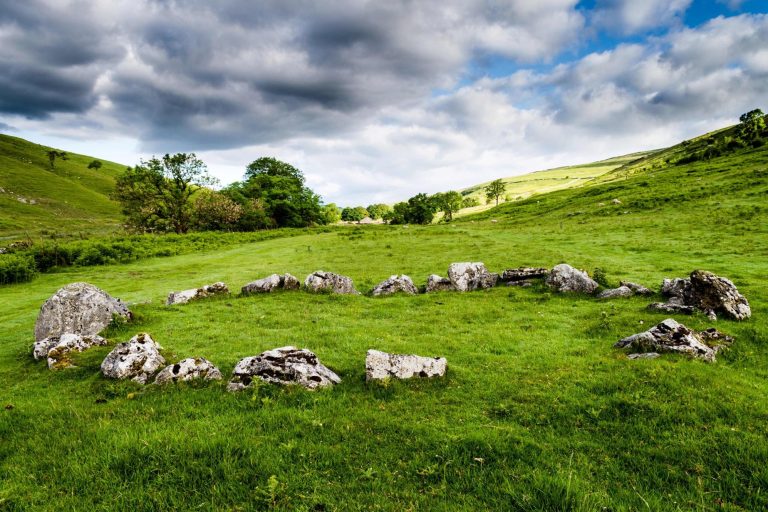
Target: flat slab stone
x=395 y=284
x=185 y=296
x=523 y=274
x=137 y=359
x=192 y=368
x=284 y=366
x=381 y=365
x=57 y=349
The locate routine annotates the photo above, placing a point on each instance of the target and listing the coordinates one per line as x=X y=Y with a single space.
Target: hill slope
x=35 y=199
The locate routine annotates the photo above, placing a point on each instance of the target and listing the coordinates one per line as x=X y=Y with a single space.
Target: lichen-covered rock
x=185 y=296
x=638 y=289
x=137 y=359
x=565 y=278
x=188 y=369
x=523 y=274
x=78 y=308
x=290 y=282
x=671 y=336
x=394 y=284
x=329 y=282
x=380 y=365
x=469 y=276
x=708 y=293
x=284 y=365
x=671 y=307
x=436 y=283
x=614 y=293
x=57 y=349
x=271 y=283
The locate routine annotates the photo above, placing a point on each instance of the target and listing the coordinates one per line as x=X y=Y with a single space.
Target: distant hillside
x=37 y=200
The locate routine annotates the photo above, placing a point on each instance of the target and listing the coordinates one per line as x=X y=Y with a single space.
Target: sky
x=377 y=101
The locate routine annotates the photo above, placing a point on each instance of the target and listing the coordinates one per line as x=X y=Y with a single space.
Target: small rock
x=436 y=283
x=188 y=369
x=328 y=281
x=565 y=278
x=58 y=348
x=284 y=365
x=615 y=201
x=521 y=284
x=669 y=307
x=185 y=296
x=468 y=276
x=380 y=365
x=637 y=288
x=621 y=291
x=394 y=284
x=646 y=355
x=670 y=336
x=523 y=274
x=137 y=359
x=271 y=283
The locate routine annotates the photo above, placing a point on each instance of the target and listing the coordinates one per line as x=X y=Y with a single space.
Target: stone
x=271 y=283
x=670 y=307
x=638 y=289
x=188 y=369
x=615 y=293
x=57 y=349
x=137 y=359
x=708 y=293
x=671 y=336
x=565 y=278
x=436 y=283
x=329 y=282
x=523 y=274
x=466 y=277
x=78 y=308
x=521 y=284
x=380 y=365
x=616 y=201
x=183 y=297
x=394 y=284
x=646 y=355
x=284 y=365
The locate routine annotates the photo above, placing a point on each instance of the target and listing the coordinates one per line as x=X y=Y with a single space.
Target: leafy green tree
x=331 y=213
x=354 y=214
x=377 y=211
x=214 y=211
x=752 y=124
x=449 y=203
x=421 y=209
x=53 y=155
x=494 y=190
x=397 y=214
x=95 y=164
x=469 y=202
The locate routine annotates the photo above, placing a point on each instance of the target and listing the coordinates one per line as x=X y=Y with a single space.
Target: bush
x=601 y=278
x=16 y=268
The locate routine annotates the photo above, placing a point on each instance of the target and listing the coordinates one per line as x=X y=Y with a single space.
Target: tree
x=449 y=203
x=494 y=190
x=354 y=214
x=214 y=211
x=53 y=155
x=752 y=124
x=421 y=209
x=469 y=202
x=397 y=214
x=331 y=213
x=377 y=211
x=95 y=164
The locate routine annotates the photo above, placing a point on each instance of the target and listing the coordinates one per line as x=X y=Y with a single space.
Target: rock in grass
x=708 y=293
x=646 y=355
x=271 y=283
x=380 y=365
x=671 y=336
x=185 y=296
x=436 y=283
x=188 y=369
x=669 y=307
x=638 y=289
x=395 y=284
x=614 y=293
x=523 y=274
x=469 y=276
x=78 y=308
x=284 y=365
x=137 y=359
x=565 y=278
x=57 y=349
x=321 y=281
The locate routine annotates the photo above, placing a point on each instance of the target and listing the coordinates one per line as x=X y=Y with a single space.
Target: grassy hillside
x=35 y=199
x=537 y=412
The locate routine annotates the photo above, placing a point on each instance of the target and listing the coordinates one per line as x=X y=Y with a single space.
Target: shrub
x=16 y=268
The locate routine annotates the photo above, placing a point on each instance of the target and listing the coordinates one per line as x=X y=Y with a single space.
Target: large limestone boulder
x=78 y=308
x=706 y=292
x=271 y=283
x=469 y=276
x=436 y=283
x=321 y=281
x=185 y=296
x=565 y=278
x=188 y=369
x=671 y=336
x=394 y=284
x=58 y=349
x=381 y=365
x=284 y=365
x=512 y=275
x=137 y=359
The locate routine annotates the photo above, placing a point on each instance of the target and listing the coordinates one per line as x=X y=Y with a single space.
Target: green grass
x=537 y=412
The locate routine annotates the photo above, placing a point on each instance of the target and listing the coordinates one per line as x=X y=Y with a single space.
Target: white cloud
x=633 y=16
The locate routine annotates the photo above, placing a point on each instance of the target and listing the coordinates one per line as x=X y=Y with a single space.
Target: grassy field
x=537 y=412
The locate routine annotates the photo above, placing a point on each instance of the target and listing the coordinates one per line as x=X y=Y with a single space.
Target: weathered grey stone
x=380 y=365
x=523 y=274
x=670 y=307
x=57 y=349
x=329 y=282
x=521 y=284
x=565 y=278
x=284 y=365
x=185 y=296
x=638 y=289
x=271 y=283
x=671 y=336
x=394 y=284
x=646 y=355
x=614 y=293
x=188 y=369
x=290 y=282
x=78 y=308
x=469 y=276
x=708 y=293
x=436 y=283
x=137 y=359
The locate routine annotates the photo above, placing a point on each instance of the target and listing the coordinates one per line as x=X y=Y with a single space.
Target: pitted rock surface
x=615 y=293
x=137 y=359
x=671 y=336
x=670 y=307
x=381 y=365
x=188 y=369
x=78 y=308
x=185 y=296
x=57 y=349
x=523 y=274
x=394 y=284
x=469 y=276
x=272 y=283
x=284 y=365
x=328 y=281
x=436 y=283
x=708 y=293
x=565 y=278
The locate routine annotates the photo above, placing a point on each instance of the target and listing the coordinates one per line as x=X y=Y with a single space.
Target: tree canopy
x=494 y=190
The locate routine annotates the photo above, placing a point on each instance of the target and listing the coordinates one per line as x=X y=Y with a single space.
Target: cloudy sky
x=378 y=100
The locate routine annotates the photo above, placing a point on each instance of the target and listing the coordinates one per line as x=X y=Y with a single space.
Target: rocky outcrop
x=192 y=368
x=466 y=277
x=380 y=365
x=58 y=349
x=395 y=284
x=436 y=283
x=670 y=336
x=706 y=292
x=78 y=308
x=523 y=274
x=565 y=278
x=329 y=282
x=137 y=359
x=284 y=365
x=614 y=293
x=185 y=296
x=271 y=283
